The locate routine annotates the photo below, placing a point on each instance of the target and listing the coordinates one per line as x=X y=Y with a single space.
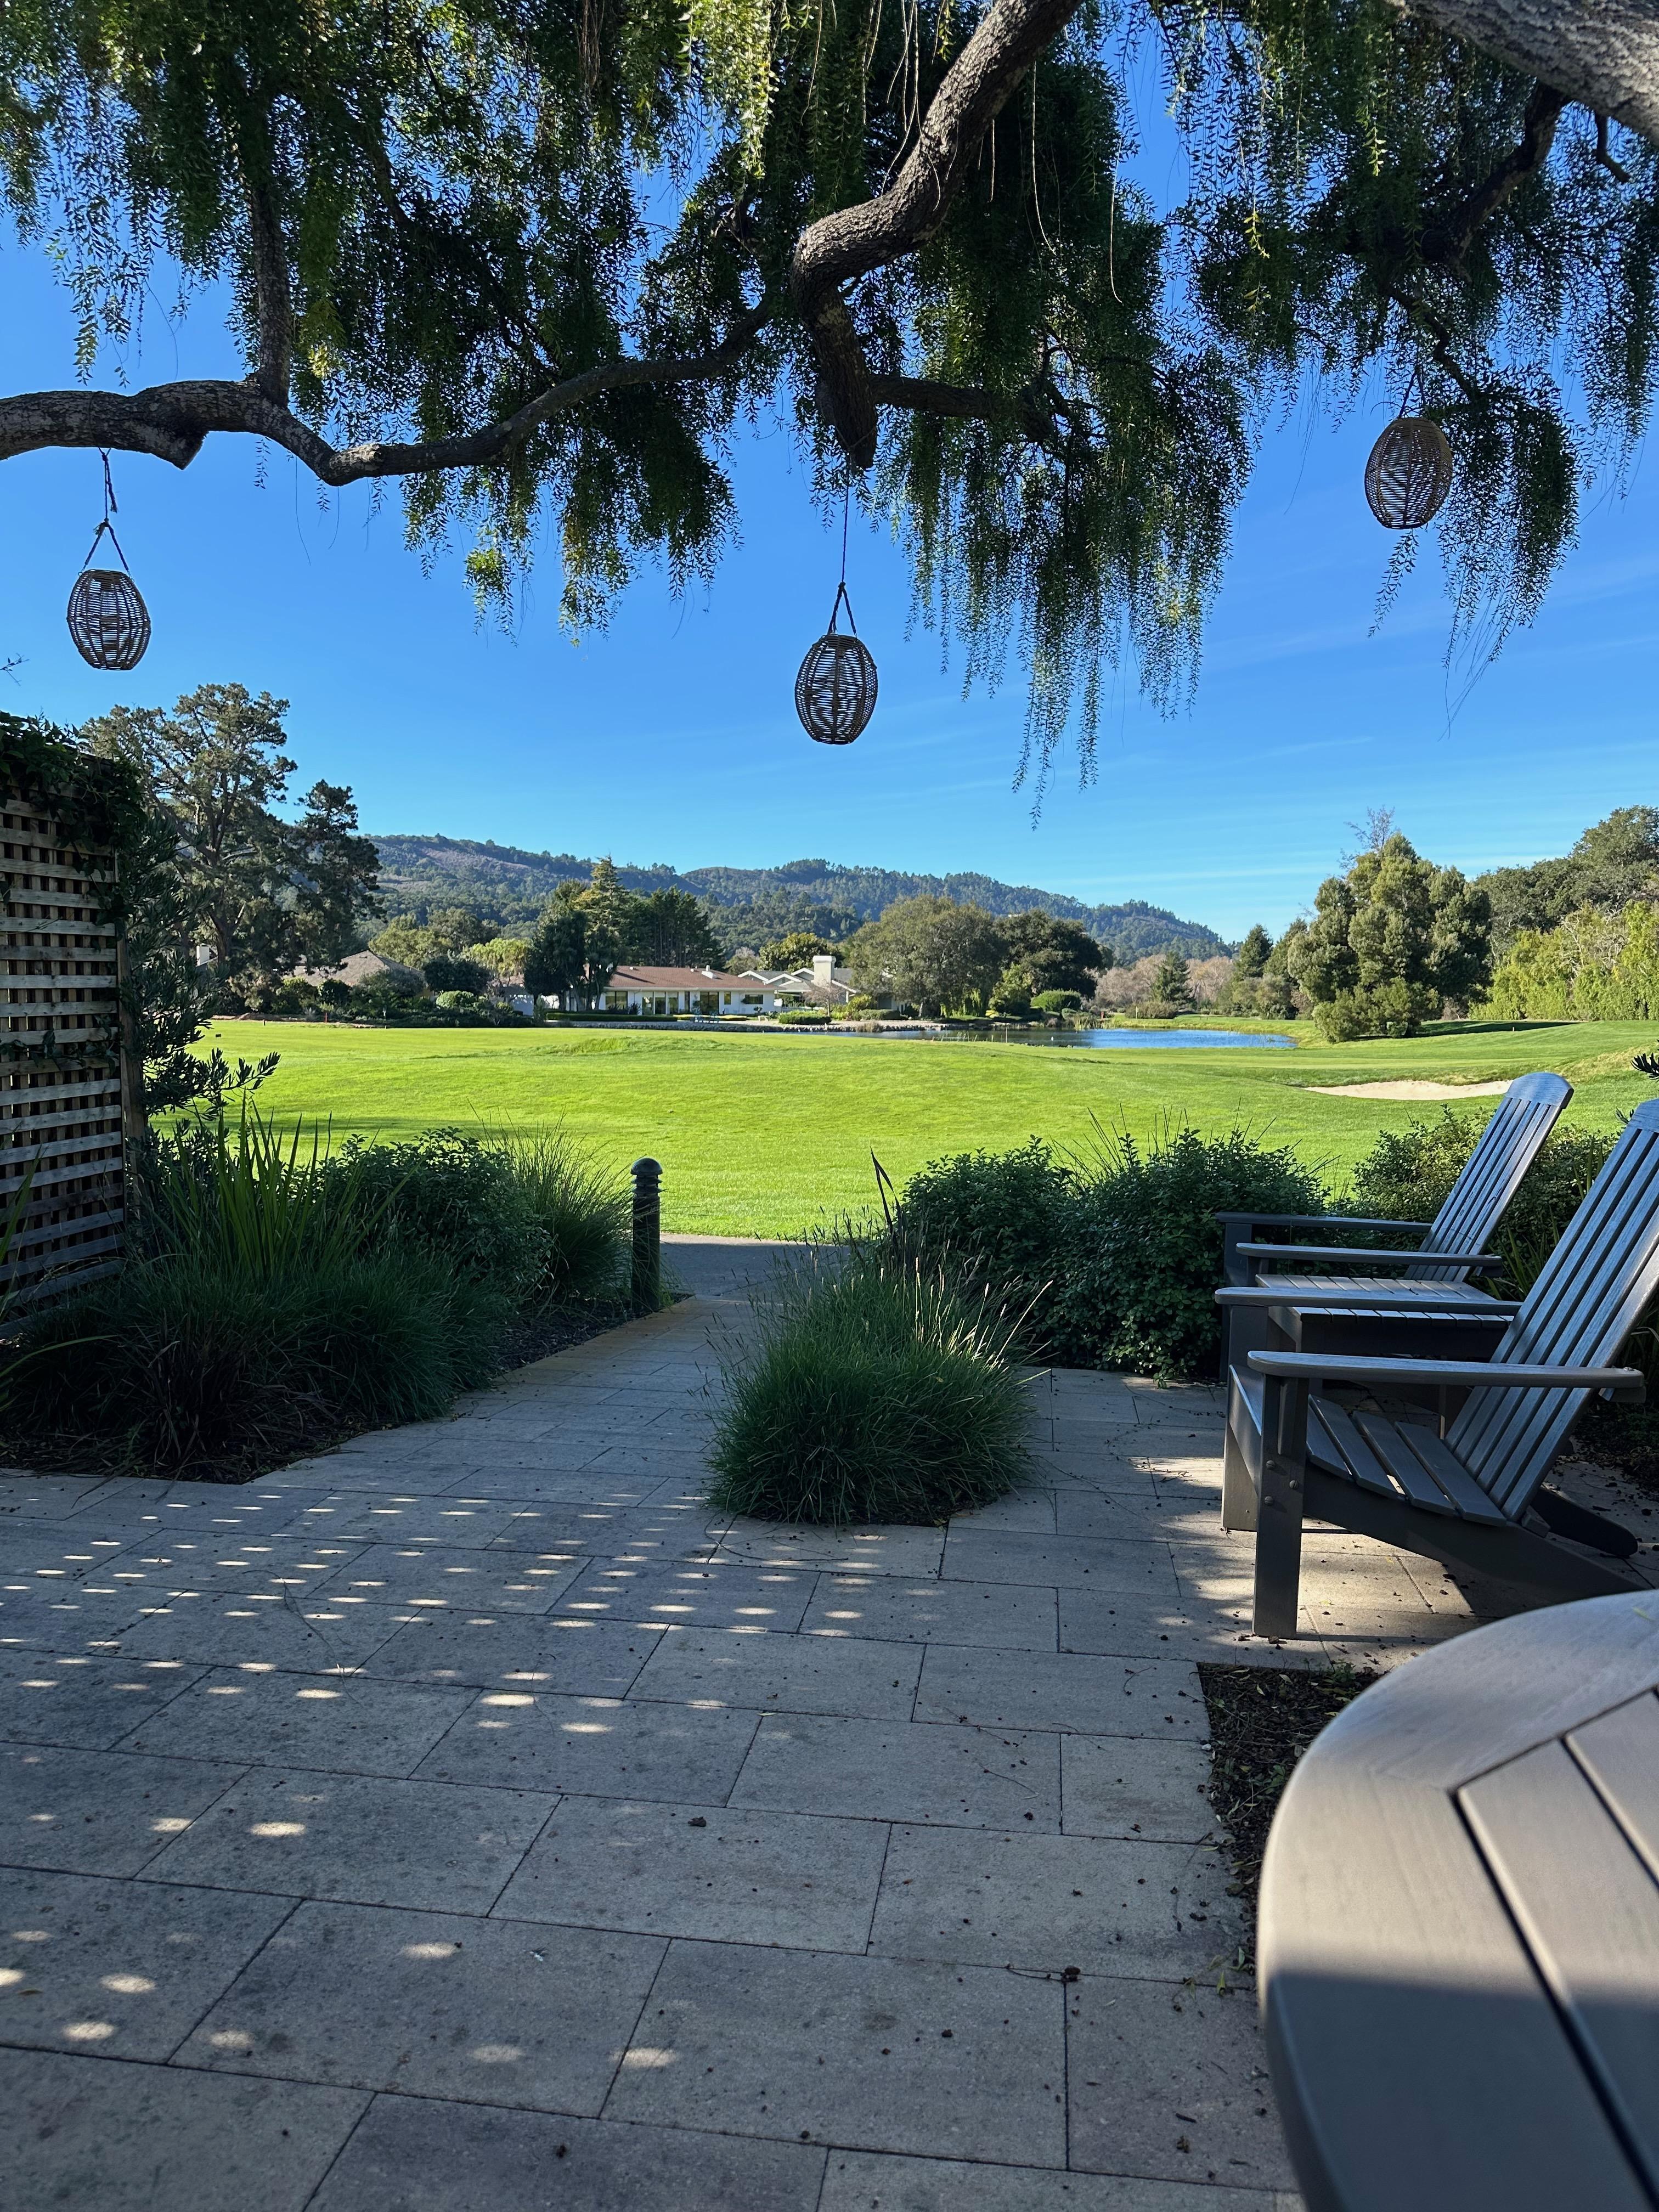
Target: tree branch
x=172 y=420
x=1446 y=242
x=1604 y=153
x=853 y=241
x=1604 y=53
x=1441 y=340
x=272 y=294
x=1036 y=409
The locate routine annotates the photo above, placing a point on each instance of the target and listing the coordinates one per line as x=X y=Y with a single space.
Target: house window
x=617 y=1001
x=708 y=1002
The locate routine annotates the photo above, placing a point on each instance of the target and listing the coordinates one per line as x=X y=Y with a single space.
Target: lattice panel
x=61 y=1077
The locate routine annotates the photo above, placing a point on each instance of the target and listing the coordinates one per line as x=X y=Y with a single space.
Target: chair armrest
x=1624 y=1384
x=1325 y=1221
x=1344 y=1294
x=1374 y=1255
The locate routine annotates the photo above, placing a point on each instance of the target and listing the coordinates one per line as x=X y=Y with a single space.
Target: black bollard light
x=647 y=1235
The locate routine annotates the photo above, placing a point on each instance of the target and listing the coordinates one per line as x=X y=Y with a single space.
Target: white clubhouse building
x=664 y=991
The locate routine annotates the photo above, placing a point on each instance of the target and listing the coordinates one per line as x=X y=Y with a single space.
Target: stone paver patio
x=468 y=1821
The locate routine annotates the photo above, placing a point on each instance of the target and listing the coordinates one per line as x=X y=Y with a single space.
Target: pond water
x=1101 y=1040
x=1153 y=1040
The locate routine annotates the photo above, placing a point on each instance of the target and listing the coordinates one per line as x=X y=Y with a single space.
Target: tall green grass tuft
x=244 y=1201
x=877 y=1391
x=198 y=1370
x=582 y=1209
x=282 y=1293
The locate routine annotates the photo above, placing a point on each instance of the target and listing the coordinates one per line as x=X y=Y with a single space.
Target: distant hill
x=505 y=884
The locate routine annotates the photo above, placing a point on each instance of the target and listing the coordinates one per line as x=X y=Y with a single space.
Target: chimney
x=823 y=969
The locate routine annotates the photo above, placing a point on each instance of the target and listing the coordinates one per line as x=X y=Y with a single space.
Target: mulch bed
x=1261 y=1721
x=539 y=1336
x=1626 y=1438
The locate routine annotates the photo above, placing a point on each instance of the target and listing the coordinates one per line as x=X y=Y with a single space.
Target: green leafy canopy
x=432 y=214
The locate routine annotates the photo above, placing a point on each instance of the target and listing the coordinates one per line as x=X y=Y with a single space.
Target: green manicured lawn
x=767 y=1134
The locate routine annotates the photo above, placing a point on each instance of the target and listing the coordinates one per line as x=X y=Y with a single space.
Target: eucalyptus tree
x=541 y=260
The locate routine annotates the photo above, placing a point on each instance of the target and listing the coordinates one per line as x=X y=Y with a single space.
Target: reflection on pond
x=1140 y=1039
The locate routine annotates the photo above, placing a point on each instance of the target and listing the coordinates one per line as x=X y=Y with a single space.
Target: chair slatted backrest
x=1590 y=1294
x=1509 y=1145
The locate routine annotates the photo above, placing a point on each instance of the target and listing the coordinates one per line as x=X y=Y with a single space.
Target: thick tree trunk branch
x=848 y=244
x=1446 y=241
x=272 y=293
x=1033 y=410
x=172 y=420
x=1603 y=52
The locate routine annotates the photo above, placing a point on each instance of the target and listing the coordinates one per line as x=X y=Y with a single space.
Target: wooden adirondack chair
x=1433 y=1279
x=1466 y=1498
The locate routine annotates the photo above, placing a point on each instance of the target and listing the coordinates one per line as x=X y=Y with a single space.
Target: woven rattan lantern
x=836 y=687
x=108 y=617
x=1409 y=473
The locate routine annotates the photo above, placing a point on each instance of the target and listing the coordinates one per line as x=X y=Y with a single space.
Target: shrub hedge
x=1408 y=1173
x=279 y=1295
x=1111 y=1260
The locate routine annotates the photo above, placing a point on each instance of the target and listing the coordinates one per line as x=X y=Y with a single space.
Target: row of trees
x=946 y=957
x=1394 y=938
x=1579 y=936
x=452 y=950
x=588 y=929
x=1593 y=967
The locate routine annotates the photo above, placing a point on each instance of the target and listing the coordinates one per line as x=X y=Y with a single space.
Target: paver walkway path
x=468 y=1821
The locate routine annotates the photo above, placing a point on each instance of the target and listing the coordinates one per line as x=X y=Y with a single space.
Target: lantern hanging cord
x=106 y=525
x=843 y=597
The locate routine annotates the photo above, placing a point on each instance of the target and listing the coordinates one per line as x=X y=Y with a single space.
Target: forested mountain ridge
x=509 y=884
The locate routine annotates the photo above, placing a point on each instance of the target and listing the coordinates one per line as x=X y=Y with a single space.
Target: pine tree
x=1251 y=958
x=1170 y=986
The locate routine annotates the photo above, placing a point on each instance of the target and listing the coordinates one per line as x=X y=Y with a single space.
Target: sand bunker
x=1408 y=1089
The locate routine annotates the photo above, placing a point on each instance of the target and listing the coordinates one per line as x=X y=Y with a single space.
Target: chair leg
x=1279 y=1532
x=1244 y=1329
x=1239 y=1505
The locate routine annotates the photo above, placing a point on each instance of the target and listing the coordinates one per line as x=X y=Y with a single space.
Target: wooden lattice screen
x=67 y=1088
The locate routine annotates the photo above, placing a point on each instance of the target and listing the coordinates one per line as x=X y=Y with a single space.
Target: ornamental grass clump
x=877 y=1391
x=280 y=1294
x=175 y=1370
x=582 y=1209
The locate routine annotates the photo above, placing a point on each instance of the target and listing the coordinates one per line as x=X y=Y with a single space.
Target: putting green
x=767 y=1134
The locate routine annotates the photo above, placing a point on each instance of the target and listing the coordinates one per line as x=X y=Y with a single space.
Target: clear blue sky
x=672 y=736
